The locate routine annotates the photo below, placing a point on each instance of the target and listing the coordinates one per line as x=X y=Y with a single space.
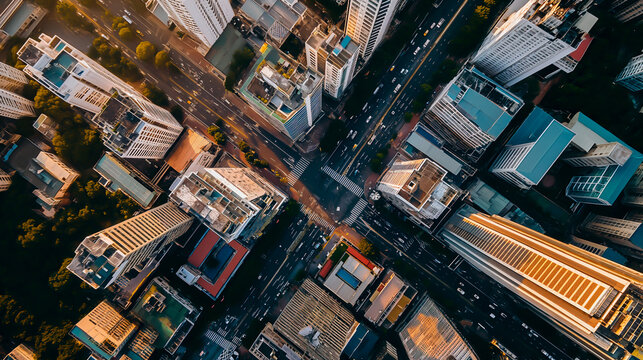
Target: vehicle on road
x=365 y=106
x=378 y=88
x=355 y=133
x=393 y=81
x=397 y=88
x=371 y=140
x=437 y=3
x=392 y=68
x=104 y=36
x=140 y=33
x=491 y=315
x=426 y=32
x=460 y=291
x=349 y=134
x=368 y=119
x=426 y=43
x=127 y=12
x=440 y=22
x=432 y=25
x=126 y=18
x=476 y=296
x=416 y=51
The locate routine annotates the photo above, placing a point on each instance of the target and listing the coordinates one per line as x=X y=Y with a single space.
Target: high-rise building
x=429 y=334
x=15 y=106
x=104 y=331
x=368 y=21
x=11 y=79
x=418 y=188
x=631 y=77
x=18 y=18
x=624 y=234
x=532 y=150
x=312 y=323
x=236 y=203
x=389 y=300
x=531 y=36
x=606 y=163
x=69 y=73
x=103 y=257
x=286 y=93
x=133 y=127
x=627 y=10
x=599 y=249
x=633 y=193
x=472 y=111
x=21 y=352
x=335 y=56
x=205 y=19
x=5 y=180
x=590 y=299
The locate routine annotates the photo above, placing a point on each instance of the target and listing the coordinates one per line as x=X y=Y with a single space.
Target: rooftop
x=389 y=300
x=339 y=47
x=117 y=175
x=351 y=275
x=276 y=17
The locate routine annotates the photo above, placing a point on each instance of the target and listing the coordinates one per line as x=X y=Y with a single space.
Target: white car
x=461 y=291
x=476 y=296
x=491 y=315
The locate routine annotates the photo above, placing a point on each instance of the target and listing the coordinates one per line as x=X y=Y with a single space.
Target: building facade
x=531 y=36
x=429 y=334
x=21 y=352
x=624 y=234
x=631 y=77
x=368 y=21
x=15 y=106
x=205 y=19
x=103 y=257
x=387 y=303
x=627 y=10
x=18 y=18
x=532 y=150
x=11 y=79
x=633 y=194
x=5 y=180
x=236 y=203
x=472 y=111
x=335 y=56
x=590 y=299
x=133 y=127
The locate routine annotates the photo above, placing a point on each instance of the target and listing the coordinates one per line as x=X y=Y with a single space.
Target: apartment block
x=286 y=93
x=103 y=257
x=428 y=334
x=624 y=234
x=633 y=194
x=21 y=352
x=389 y=300
x=534 y=35
x=18 y=18
x=236 y=203
x=274 y=18
x=11 y=79
x=335 y=56
x=590 y=299
x=627 y=10
x=472 y=111
x=5 y=180
x=532 y=150
x=368 y=21
x=631 y=77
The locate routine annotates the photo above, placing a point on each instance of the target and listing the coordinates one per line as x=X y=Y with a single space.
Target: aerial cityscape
x=321 y=179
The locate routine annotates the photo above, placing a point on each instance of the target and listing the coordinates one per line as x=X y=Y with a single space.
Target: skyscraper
x=627 y=10
x=5 y=180
x=205 y=19
x=15 y=106
x=624 y=234
x=103 y=257
x=134 y=127
x=368 y=21
x=532 y=35
x=11 y=79
x=335 y=56
x=631 y=77
x=592 y=300
x=633 y=193
x=69 y=73
x=429 y=334
x=472 y=111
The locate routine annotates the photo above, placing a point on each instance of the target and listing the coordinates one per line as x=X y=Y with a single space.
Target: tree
x=145 y=51
x=177 y=112
x=69 y=13
x=219 y=138
x=126 y=34
x=60 y=280
x=162 y=59
x=155 y=94
x=366 y=248
x=33 y=233
x=408 y=116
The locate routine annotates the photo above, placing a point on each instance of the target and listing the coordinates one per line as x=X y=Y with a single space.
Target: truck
x=126 y=18
x=397 y=88
x=440 y=22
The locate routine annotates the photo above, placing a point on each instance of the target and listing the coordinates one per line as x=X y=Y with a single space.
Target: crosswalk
x=320 y=221
x=356 y=212
x=297 y=171
x=344 y=181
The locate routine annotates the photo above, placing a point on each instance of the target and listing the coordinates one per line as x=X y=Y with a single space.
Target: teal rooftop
x=117 y=175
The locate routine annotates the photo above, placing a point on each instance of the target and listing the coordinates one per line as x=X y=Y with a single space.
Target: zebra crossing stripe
x=297 y=171
x=356 y=211
x=318 y=219
x=344 y=181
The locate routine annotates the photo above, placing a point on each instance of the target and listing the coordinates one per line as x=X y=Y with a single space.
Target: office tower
x=21 y=352
x=429 y=334
x=103 y=257
x=15 y=106
x=368 y=21
x=418 y=187
x=605 y=163
x=69 y=73
x=389 y=300
x=11 y=79
x=236 y=203
x=286 y=93
x=633 y=194
x=205 y=19
x=472 y=111
x=531 y=36
x=592 y=300
x=631 y=77
x=599 y=249
x=133 y=127
x=624 y=234
x=312 y=323
x=334 y=55
x=627 y=10
x=5 y=180
x=532 y=150
x=104 y=331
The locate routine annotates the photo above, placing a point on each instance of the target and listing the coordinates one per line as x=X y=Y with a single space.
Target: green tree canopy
x=126 y=33
x=155 y=94
x=161 y=59
x=33 y=233
x=145 y=51
x=60 y=280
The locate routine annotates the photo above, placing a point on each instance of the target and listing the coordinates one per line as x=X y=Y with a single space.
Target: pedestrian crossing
x=344 y=181
x=320 y=221
x=297 y=171
x=356 y=212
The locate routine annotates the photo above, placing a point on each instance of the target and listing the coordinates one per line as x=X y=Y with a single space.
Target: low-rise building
x=429 y=334
x=236 y=203
x=19 y=18
x=21 y=352
x=286 y=93
x=46 y=126
x=389 y=300
x=272 y=19
x=599 y=249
